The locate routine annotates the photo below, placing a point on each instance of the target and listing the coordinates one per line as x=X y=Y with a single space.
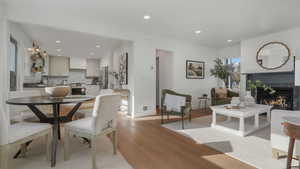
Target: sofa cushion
x=221 y=93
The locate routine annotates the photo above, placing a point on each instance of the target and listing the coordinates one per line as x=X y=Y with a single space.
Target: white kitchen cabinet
x=78 y=63
x=93 y=68
x=59 y=66
x=92 y=90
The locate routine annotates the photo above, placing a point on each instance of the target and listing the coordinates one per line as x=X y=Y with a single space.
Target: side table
x=203 y=101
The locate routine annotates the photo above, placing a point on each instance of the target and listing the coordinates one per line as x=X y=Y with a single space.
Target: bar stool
x=291 y=129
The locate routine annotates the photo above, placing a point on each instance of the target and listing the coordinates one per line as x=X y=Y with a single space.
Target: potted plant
x=221 y=71
x=252 y=88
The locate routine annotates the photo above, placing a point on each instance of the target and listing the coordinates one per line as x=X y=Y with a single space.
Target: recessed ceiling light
x=92 y=53
x=229 y=40
x=147 y=17
x=58 y=41
x=98 y=46
x=198 y=32
x=58 y=50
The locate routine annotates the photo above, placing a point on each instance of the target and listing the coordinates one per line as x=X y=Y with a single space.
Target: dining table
x=55 y=118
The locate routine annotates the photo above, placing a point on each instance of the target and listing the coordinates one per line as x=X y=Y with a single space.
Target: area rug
x=254 y=149
x=80 y=156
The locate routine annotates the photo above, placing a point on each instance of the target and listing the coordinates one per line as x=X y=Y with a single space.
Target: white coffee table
x=240 y=126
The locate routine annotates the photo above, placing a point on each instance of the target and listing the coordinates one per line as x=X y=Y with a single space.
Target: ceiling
x=72 y=44
x=219 y=20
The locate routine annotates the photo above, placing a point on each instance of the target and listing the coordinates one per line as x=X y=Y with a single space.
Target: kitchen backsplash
x=75 y=76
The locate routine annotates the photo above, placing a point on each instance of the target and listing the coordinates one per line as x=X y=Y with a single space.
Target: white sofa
x=279 y=140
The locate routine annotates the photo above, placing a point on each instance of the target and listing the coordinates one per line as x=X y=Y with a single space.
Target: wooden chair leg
x=275 y=154
x=94 y=152
x=290 y=153
x=162 y=116
x=4 y=157
x=114 y=140
x=66 y=145
x=48 y=145
x=23 y=150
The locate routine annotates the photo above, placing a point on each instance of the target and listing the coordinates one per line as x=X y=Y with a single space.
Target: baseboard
x=142 y=114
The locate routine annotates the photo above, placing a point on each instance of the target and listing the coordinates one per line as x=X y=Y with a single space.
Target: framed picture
x=123 y=69
x=195 y=69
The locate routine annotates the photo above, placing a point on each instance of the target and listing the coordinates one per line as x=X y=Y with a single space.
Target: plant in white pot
x=252 y=88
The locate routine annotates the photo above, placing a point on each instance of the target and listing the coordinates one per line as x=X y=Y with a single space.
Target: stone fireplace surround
x=279 y=80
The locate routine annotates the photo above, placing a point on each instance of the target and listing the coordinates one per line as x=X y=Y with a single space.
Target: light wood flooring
x=147 y=145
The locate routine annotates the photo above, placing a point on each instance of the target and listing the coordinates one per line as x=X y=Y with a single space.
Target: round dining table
x=56 y=118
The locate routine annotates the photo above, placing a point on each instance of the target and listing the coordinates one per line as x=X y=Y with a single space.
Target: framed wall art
x=195 y=69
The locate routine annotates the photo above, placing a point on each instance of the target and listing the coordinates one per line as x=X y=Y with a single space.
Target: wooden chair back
x=291 y=130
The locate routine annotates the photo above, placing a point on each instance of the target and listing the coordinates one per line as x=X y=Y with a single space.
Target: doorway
x=164 y=73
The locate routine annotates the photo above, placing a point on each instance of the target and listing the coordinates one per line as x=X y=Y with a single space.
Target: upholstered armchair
x=183 y=110
x=220 y=99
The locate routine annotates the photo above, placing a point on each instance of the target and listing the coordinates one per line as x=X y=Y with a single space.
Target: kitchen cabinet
x=92 y=90
x=93 y=68
x=59 y=66
x=78 y=63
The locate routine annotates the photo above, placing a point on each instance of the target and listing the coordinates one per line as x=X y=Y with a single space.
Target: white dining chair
x=88 y=112
x=102 y=122
x=19 y=134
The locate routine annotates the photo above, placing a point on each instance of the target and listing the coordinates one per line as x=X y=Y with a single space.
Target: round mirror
x=273 y=55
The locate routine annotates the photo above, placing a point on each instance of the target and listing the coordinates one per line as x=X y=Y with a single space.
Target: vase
x=249 y=100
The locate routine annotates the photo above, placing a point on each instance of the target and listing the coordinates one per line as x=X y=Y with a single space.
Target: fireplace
x=287 y=95
x=281 y=99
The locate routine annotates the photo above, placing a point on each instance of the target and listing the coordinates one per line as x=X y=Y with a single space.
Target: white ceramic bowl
x=58 y=91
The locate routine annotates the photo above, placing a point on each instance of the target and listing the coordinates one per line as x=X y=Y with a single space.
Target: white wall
x=230 y=51
x=144 y=53
x=250 y=47
x=4 y=119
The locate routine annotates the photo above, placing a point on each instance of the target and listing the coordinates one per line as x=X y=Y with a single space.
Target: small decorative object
x=58 y=91
x=38 y=58
x=235 y=101
x=204 y=95
x=195 y=69
x=123 y=69
x=248 y=99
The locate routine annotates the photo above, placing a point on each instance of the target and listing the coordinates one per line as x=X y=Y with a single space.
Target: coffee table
x=242 y=123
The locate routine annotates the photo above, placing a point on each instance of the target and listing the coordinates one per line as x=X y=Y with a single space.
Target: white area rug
x=80 y=156
x=254 y=149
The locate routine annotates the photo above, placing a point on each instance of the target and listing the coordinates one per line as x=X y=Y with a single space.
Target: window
x=13 y=60
x=234 y=78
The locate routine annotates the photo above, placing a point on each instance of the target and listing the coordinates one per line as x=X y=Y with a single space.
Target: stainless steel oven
x=78 y=91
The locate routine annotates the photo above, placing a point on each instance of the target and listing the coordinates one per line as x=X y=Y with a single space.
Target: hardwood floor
x=147 y=145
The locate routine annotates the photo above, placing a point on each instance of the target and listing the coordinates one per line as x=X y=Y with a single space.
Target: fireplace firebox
x=281 y=99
